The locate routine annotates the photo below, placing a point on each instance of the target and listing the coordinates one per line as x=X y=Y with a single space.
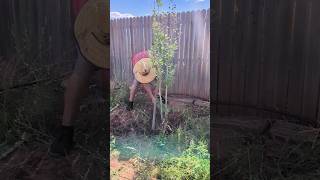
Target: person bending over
x=145 y=75
x=92 y=33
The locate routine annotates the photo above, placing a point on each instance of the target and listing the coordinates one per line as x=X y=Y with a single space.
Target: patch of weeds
x=114 y=174
x=197 y=125
x=145 y=169
x=119 y=94
x=31 y=111
x=272 y=159
x=194 y=163
x=114 y=153
x=246 y=163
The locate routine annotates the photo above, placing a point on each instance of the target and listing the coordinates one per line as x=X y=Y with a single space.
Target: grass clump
x=194 y=163
x=113 y=151
x=145 y=169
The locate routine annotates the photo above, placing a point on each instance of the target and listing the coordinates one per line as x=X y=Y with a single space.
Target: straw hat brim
x=138 y=67
x=90 y=25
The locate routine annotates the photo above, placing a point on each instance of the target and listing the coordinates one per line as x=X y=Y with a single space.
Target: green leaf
x=159 y=3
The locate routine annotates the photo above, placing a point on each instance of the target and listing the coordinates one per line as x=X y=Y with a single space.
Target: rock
x=201 y=103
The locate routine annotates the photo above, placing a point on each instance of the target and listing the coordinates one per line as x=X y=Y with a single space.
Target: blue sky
x=128 y=8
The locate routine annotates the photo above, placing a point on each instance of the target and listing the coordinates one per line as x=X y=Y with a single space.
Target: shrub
x=194 y=163
x=145 y=169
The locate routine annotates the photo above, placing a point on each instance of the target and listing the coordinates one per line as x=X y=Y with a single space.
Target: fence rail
x=266 y=54
x=192 y=59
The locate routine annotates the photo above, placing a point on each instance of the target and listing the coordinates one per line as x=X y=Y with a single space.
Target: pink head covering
x=76 y=6
x=137 y=57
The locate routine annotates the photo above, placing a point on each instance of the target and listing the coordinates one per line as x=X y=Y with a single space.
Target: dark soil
x=139 y=120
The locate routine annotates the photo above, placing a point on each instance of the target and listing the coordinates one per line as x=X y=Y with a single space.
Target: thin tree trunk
x=166 y=95
x=166 y=99
x=154 y=115
x=161 y=113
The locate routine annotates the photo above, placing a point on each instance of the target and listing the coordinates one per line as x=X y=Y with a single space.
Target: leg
x=77 y=88
x=103 y=81
x=156 y=94
x=147 y=88
x=155 y=91
x=133 y=88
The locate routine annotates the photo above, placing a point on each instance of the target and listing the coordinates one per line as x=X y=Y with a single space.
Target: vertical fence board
x=311 y=94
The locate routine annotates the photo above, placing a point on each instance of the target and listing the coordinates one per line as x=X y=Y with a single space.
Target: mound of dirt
x=123 y=122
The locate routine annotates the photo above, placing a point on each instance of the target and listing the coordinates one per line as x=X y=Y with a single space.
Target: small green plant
x=145 y=169
x=194 y=163
x=114 y=153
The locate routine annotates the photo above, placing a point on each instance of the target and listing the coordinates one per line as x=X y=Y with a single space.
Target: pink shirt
x=138 y=56
x=76 y=6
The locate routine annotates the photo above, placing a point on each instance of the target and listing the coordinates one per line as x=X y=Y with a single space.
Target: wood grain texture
x=42 y=30
x=266 y=55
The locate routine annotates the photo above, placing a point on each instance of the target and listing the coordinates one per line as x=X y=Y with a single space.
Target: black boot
x=162 y=98
x=63 y=144
x=130 y=105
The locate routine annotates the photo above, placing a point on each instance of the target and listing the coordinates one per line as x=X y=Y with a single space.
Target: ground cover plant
x=194 y=163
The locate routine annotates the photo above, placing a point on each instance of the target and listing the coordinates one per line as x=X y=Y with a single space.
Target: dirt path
x=121 y=170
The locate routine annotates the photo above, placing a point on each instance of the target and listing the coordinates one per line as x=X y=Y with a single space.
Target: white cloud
x=115 y=15
x=196 y=1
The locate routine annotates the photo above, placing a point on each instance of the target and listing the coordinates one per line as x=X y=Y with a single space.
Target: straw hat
x=143 y=71
x=92 y=32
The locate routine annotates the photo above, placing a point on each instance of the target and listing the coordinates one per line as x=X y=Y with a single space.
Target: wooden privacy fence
x=266 y=54
x=37 y=29
x=192 y=59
